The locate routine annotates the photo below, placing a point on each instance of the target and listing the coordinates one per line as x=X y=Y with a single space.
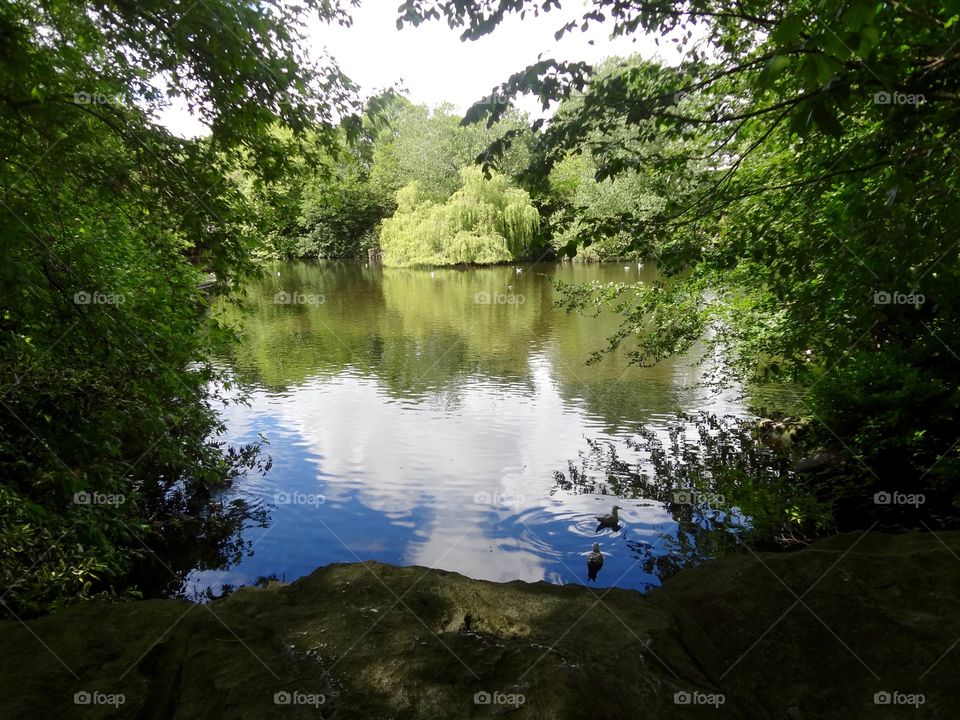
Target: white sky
x=435 y=66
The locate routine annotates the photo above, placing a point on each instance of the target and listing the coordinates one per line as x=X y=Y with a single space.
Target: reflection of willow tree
x=419 y=331
x=479 y=308
x=412 y=330
x=721 y=485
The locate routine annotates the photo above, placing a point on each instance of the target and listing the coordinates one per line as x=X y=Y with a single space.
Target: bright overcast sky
x=435 y=66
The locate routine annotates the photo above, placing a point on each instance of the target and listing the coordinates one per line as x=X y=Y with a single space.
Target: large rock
x=812 y=634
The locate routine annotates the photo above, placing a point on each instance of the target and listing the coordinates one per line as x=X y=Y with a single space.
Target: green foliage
x=108 y=224
x=600 y=215
x=327 y=207
x=431 y=147
x=595 y=219
x=486 y=221
x=338 y=217
x=343 y=185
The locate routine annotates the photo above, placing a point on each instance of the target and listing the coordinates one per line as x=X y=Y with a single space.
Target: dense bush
x=339 y=220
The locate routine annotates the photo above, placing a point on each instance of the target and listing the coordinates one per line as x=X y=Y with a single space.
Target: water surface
x=448 y=419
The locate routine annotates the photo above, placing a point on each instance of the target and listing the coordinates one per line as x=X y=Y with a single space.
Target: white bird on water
x=519 y=270
x=611 y=521
x=594 y=562
x=432 y=274
x=626 y=267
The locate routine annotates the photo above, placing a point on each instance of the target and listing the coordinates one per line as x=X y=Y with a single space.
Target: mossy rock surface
x=810 y=634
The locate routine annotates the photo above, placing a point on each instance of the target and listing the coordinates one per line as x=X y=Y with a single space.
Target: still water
x=437 y=418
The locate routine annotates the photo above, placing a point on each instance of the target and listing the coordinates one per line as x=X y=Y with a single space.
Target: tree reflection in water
x=722 y=486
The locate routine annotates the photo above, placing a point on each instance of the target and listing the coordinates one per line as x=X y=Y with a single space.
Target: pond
x=447 y=418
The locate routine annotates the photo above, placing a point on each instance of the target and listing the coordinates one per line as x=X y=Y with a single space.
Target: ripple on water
x=432 y=426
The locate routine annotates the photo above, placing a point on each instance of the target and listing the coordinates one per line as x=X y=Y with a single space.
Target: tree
x=340 y=206
x=332 y=204
x=339 y=214
x=602 y=216
x=108 y=223
x=432 y=147
x=485 y=221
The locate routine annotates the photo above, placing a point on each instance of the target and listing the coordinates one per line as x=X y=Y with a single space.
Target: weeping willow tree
x=486 y=221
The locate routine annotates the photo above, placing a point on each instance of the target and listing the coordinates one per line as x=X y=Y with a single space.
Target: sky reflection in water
x=411 y=424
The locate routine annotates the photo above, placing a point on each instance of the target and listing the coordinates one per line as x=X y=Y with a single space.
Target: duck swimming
x=611 y=521
x=594 y=562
